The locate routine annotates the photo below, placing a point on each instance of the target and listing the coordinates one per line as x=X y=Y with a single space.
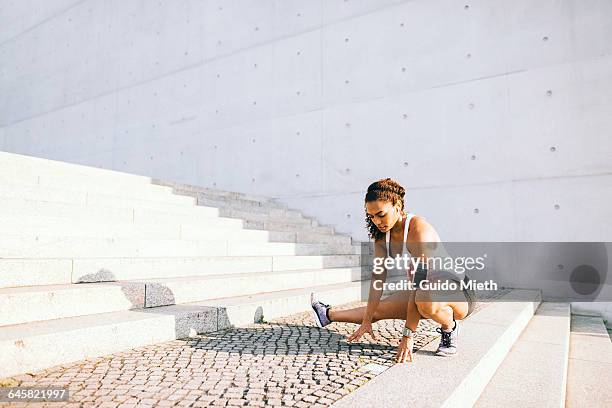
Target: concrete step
x=24 y=208
x=83 y=197
x=25 y=347
x=304 y=235
x=236 y=203
x=59 y=301
x=32 y=272
x=27 y=170
x=273 y=225
x=288 y=216
x=534 y=373
x=168 y=291
x=486 y=337
x=589 y=372
x=142 y=212
x=86 y=247
x=216 y=194
x=244 y=310
x=69 y=300
x=51 y=227
x=95 y=226
x=116 y=185
x=31 y=164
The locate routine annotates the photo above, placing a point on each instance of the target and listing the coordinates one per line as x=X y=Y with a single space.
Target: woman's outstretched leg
x=392 y=307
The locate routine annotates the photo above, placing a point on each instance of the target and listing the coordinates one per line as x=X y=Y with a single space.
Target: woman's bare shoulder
x=422 y=230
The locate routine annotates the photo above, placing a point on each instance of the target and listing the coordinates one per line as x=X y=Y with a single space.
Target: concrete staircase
x=524 y=353
x=95 y=261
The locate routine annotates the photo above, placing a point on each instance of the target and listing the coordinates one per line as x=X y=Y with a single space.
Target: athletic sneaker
x=449 y=342
x=319 y=311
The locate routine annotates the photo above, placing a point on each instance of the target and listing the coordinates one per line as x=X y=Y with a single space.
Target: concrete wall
x=494 y=114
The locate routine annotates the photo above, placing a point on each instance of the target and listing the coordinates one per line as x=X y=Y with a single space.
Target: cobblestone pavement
x=285 y=362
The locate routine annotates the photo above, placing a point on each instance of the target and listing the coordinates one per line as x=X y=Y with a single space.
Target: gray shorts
x=470 y=295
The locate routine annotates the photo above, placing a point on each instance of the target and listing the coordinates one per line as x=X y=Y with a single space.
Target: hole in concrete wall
x=346 y=81
x=346 y=40
x=405 y=164
x=403 y=69
x=471 y=105
x=348 y=215
x=473 y=157
x=468 y=55
x=466 y=7
x=297 y=175
x=553 y=149
x=545 y=38
x=298 y=93
x=298 y=53
x=549 y=93
x=298 y=15
x=347 y=124
x=557 y=206
x=405 y=116
x=476 y=210
x=298 y=133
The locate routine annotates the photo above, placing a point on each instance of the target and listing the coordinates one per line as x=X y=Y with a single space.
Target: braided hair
x=384 y=190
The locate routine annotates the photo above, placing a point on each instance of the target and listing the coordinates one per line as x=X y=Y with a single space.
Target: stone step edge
x=543 y=346
x=190 y=188
x=94 y=270
x=161 y=280
x=164 y=197
x=486 y=338
x=58 y=164
x=590 y=362
x=137 y=294
x=26 y=348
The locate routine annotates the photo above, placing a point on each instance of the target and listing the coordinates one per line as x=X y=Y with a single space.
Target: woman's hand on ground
x=404 y=350
x=366 y=327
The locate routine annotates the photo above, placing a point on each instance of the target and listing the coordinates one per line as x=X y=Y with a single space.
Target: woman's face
x=383 y=214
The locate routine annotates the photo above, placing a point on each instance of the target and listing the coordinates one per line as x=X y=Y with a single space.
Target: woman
x=393 y=230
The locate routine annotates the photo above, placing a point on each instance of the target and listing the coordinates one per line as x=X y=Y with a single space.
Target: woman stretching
x=393 y=231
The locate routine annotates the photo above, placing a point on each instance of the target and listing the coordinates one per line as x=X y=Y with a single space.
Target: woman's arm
x=374 y=295
x=412 y=313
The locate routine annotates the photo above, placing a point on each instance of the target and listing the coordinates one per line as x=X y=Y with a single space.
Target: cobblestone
x=284 y=362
